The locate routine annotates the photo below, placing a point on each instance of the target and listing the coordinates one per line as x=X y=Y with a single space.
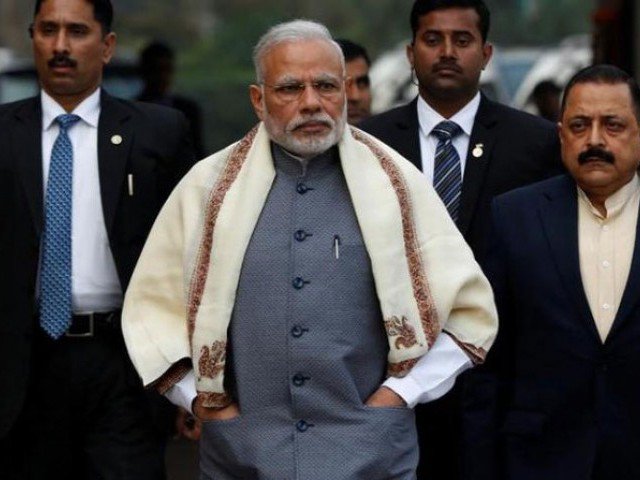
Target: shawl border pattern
x=177 y=372
x=218 y=193
x=419 y=282
x=476 y=354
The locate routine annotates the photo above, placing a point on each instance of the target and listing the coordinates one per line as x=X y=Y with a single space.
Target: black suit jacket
x=569 y=402
x=518 y=149
x=155 y=150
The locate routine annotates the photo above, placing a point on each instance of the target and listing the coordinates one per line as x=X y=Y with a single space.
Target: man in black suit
x=565 y=266
x=495 y=149
x=85 y=175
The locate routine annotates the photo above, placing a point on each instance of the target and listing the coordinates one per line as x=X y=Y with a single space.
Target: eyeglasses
x=292 y=91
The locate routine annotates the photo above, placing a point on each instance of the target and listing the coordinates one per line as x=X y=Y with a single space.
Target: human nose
x=448 y=48
x=595 y=135
x=61 y=42
x=310 y=98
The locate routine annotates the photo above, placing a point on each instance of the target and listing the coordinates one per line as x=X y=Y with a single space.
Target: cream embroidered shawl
x=181 y=296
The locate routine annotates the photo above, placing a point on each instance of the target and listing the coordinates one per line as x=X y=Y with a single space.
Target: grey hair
x=293 y=31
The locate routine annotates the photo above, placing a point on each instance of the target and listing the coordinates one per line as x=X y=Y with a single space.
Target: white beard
x=312 y=145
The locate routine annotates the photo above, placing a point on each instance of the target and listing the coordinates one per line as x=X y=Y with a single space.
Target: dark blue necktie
x=55 y=269
x=447 y=173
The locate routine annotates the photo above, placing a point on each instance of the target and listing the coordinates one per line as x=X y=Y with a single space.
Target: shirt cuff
x=184 y=392
x=433 y=375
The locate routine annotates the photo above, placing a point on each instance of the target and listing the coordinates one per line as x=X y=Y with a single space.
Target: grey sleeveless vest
x=308 y=346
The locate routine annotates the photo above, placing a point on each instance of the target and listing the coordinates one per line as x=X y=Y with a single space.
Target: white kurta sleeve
x=184 y=392
x=433 y=375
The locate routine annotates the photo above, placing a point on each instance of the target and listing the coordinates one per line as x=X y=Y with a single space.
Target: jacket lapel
x=115 y=138
x=630 y=295
x=407 y=133
x=559 y=215
x=481 y=141
x=26 y=137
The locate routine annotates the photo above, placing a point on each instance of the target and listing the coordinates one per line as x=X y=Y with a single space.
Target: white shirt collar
x=429 y=118
x=88 y=110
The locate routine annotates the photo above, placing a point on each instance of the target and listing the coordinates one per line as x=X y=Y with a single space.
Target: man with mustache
x=303 y=288
x=565 y=266
x=471 y=148
x=89 y=173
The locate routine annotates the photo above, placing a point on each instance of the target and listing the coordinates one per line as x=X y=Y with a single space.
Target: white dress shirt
x=428 y=118
x=95 y=286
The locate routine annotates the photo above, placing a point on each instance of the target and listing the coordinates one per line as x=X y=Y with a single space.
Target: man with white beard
x=304 y=288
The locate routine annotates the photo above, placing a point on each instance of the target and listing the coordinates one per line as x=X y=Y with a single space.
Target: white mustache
x=317 y=117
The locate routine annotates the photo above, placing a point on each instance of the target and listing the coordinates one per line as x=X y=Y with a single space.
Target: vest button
x=302 y=188
x=297 y=331
x=302 y=426
x=299 y=379
x=300 y=235
x=298 y=283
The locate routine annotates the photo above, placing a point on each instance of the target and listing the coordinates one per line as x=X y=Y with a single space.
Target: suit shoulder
x=527 y=193
x=150 y=110
x=380 y=122
x=519 y=119
x=8 y=109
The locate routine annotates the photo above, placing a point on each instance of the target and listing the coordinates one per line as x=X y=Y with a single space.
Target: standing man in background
x=157 y=65
x=359 y=90
x=471 y=149
x=88 y=174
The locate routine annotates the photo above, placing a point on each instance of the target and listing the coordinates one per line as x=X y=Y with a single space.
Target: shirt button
x=605 y=228
x=606 y=306
x=299 y=380
x=606 y=264
x=297 y=331
x=302 y=188
x=303 y=426
x=298 y=283
x=300 y=235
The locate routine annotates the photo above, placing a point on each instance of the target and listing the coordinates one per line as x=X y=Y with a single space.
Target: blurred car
x=18 y=80
x=558 y=64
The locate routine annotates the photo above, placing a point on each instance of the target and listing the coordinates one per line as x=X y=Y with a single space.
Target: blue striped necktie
x=55 y=269
x=447 y=173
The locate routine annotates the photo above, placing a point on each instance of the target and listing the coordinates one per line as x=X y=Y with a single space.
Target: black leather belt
x=91 y=324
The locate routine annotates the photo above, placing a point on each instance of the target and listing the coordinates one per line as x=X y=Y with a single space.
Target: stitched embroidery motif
x=211 y=361
x=401 y=328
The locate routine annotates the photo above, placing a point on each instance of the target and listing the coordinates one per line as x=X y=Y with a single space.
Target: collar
x=616 y=202
x=429 y=118
x=88 y=110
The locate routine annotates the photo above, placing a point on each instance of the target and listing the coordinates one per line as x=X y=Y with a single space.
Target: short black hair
x=154 y=51
x=102 y=12
x=546 y=87
x=607 y=74
x=423 y=7
x=352 y=50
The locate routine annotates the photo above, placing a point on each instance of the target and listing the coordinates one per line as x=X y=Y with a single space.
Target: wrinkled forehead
x=303 y=60
x=595 y=99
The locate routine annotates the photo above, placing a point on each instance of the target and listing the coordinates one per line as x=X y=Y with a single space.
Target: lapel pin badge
x=116 y=139
x=478 y=150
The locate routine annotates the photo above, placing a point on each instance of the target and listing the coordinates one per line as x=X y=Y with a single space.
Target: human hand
x=385 y=397
x=187 y=425
x=205 y=413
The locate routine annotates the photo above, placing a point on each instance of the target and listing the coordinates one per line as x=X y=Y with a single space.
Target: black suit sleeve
x=489 y=386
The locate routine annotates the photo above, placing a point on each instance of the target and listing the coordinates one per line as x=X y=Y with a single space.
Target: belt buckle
x=87 y=334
